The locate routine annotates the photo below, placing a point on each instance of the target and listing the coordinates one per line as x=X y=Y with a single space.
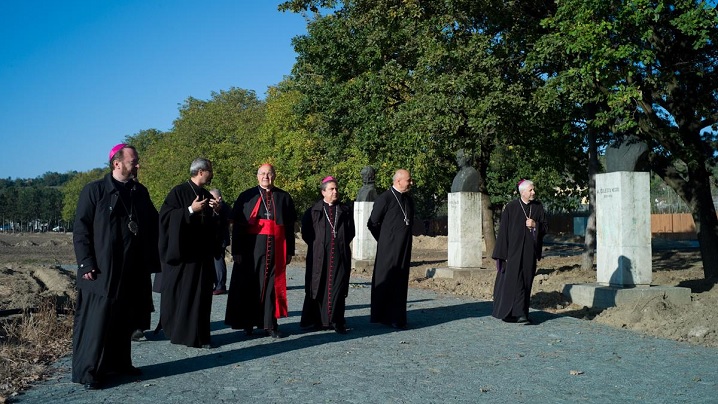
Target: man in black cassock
x=189 y=237
x=262 y=247
x=519 y=245
x=390 y=222
x=328 y=229
x=115 y=240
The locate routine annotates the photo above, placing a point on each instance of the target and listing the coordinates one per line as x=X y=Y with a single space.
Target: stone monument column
x=465 y=230
x=364 y=245
x=464 y=223
x=623 y=247
x=623 y=229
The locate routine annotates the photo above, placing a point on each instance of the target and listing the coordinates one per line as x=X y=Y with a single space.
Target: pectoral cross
x=267 y=204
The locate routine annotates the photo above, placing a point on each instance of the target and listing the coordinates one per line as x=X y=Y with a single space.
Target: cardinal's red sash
x=269 y=227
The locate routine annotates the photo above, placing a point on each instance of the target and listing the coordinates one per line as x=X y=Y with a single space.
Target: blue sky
x=77 y=76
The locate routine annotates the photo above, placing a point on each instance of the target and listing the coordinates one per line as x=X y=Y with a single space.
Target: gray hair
x=215 y=191
x=524 y=184
x=200 y=163
x=323 y=187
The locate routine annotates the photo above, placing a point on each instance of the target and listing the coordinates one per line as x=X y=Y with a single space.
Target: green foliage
x=71 y=191
x=293 y=150
x=144 y=139
x=223 y=129
x=406 y=84
x=650 y=66
x=37 y=200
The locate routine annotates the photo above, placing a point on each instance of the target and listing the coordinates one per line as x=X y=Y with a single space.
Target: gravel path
x=453 y=352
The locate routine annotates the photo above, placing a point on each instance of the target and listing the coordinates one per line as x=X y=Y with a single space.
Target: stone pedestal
x=465 y=230
x=464 y=237
x=363 y=245
x=623 y=246
x=623 y=229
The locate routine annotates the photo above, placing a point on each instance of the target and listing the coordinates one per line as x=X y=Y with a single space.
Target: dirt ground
x=30 y=271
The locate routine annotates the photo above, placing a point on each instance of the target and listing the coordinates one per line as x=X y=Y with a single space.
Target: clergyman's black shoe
x=275 y=334
x=132 y=371
x=523 y=320
x=96 y=385
x=137 y=335
x=340 y=329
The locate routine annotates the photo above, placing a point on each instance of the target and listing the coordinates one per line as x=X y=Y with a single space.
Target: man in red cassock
x=262 y=247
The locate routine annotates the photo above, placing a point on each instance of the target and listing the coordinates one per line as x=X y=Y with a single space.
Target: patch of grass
x=30 y=343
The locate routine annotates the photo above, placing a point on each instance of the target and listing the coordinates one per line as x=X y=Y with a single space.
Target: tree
x=651 y=67
x=223 y=129
x=407 y=83
x=295 y=151
x=71 y=191
x=144 y=139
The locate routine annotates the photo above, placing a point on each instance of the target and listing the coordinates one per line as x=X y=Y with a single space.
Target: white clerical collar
x=397 y=190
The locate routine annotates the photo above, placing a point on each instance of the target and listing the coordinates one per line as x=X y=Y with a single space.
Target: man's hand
x=215 y=204
x=90 y=276
x=198 y=205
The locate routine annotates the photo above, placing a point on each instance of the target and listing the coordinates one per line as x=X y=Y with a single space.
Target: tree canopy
x=649 y=70
x=526 y=89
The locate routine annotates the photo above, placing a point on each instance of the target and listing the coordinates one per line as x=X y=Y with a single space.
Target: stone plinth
x=623 y=229
x=363 y=245
x=460 y=274
x=362 y=267
x=602 y=296
x=465 y=230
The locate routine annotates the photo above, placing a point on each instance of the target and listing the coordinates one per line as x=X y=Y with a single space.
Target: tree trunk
x=589 y=245
x=704 y=216
x=487 y=224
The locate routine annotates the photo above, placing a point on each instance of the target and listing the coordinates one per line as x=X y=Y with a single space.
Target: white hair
x=524 y=184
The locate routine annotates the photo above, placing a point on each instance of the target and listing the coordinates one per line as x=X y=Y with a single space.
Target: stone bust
x=628 y=155
x=367 y=193
x=467 y=179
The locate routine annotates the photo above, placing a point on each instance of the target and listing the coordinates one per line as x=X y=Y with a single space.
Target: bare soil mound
x=30 y=270
x=695 y=323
